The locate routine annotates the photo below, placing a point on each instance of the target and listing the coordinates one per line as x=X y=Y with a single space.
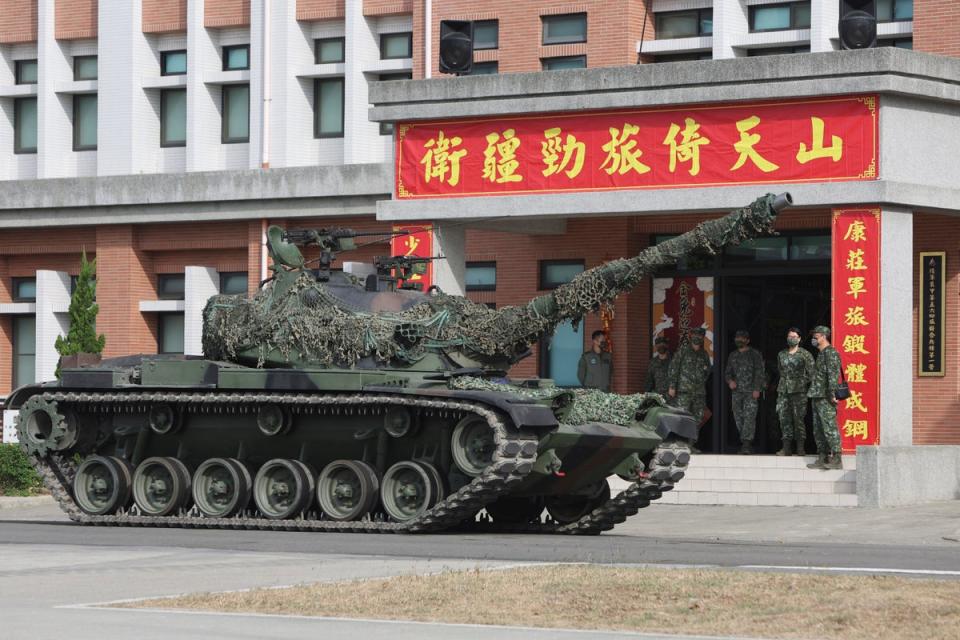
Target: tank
x=339 y=402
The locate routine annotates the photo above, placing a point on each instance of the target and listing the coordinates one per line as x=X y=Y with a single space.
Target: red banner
x=816 y=140
x=856 y=322
x=681 y=305
x=418 y=243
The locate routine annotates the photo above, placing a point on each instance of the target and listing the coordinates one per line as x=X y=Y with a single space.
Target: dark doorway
x=765 y=305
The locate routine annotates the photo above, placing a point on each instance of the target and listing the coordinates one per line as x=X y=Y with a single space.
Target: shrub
x=17 y=477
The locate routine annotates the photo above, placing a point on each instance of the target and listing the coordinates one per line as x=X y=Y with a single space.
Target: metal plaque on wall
x=933 y=265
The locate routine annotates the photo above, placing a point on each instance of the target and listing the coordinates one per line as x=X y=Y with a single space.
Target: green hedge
x=17 y=477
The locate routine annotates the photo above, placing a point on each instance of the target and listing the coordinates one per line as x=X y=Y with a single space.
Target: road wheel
x=473 y=445
x=406 y=491
x=102 y=485
x=347 y=489
x=280 y=489
x=221 y=487
x=161 y=486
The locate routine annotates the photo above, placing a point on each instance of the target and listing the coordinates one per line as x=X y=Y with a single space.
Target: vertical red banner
x=856 y=322
x=682 y=304
x=416 y=243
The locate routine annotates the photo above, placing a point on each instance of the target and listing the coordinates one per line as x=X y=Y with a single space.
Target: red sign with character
x=816 y=140
x=416 y=243
x=856 y=322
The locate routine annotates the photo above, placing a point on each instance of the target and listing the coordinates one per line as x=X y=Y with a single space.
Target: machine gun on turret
x=399 y=271
x=284 y=244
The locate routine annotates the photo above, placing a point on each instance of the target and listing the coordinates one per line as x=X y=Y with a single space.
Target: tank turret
x=307 y=318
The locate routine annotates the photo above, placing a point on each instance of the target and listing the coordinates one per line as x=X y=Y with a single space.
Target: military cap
x=700 y=331
x=661 y=340
x=742 y=333
x=821 y=329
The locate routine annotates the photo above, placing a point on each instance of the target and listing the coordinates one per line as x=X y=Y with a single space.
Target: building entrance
x=766 y=306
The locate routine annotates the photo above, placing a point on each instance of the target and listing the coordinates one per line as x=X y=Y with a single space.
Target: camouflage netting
x=305 y=326
x=590 y=405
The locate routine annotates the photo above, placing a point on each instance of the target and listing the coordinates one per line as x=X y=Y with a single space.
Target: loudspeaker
x=456 y=46
x=858 y=24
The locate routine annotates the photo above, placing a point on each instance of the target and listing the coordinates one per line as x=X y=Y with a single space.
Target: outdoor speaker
x=858 y=24
x=456 y=46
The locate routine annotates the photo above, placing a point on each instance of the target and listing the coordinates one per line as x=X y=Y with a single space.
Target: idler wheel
x=280 y=489
x=347 y=489
x=566 y=509
x=473 y=444
x=406 y=491
x=102 y=485
x=222 y=487
x=516 y=510
x=42 y=428
x=161 y=486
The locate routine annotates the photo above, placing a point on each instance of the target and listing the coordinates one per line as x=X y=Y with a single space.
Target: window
x=563 y=29
x=25 y=125
x=810 y=248
x=684 y=24
x=386 y=128
x=564 y=62
x=24 y=350
x=24 y=289
x=396 y=45
x=170 y=333
x=170 y=286
x=173 y=117
x=26 y=72
x=326 y=50
x=485 y=68
x=328 y=108
x=757 y=250
x=173 y=63
x=85 y=122
x=236 y=57
x=236 y=114
x=684 y=57
x=554 y=273
x=481 y=276
x=777 y=51
x=85 y=68
x=486 y=34
x=233 y=283
x=776 y=17
x=892 y=10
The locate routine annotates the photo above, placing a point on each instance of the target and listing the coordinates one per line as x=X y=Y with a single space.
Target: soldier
x=596 y=365
x=689 y=371
x=745 y=377
x=658 y=371
x=823 y=401
x=795 y=365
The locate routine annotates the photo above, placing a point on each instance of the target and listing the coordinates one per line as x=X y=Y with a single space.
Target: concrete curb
x=15 y=502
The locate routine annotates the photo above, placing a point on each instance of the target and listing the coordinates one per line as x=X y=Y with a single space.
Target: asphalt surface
x=57 y=579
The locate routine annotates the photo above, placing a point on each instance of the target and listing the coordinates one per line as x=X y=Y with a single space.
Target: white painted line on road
x=917 y=572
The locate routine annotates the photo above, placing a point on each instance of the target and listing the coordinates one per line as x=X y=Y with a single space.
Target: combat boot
x=819 y=464
x=787 y=448
x=833 y=462
x=800 y=450
x=746 y=447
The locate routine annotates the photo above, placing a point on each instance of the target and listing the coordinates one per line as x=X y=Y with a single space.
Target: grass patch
x=17 y=477
x=770 y=605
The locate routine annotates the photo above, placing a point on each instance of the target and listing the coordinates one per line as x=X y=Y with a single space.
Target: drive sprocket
x=43 y=429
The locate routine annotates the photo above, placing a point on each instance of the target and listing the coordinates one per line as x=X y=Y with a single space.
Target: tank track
x=513 y=461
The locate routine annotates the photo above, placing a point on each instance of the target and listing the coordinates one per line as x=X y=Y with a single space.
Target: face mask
x=814 y=342
x=661 y=348
x=740 y=342
x=793 y=341
x=696 y=341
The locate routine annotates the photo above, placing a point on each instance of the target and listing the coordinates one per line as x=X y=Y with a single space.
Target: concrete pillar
x=730 y=24
x=258 y=24
x=128 y=138
x=204 y=151
x=896 y=327
x=53 y=300
x=199 y=283
x=55 y=155
x=451 y=243
x=361 y=137
x=291 y=116
x=824 y=16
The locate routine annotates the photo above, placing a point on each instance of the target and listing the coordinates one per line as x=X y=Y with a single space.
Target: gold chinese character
x=817 y=150
x=621 y=155
x=855 y=260
x=854 y=317
x=856 y=284
x=855 y=429
x=746 y=147
x=855 y=401
x=441 y=157
x=688 y=148
x=856 y=232
x=571 y=149
x=855 y=344
x=500 y=157
x=856 y=372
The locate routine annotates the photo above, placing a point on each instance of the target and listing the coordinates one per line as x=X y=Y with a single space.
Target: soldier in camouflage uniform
x=658 y=371
x=688 y=375
x=745 y=377
x=823 y=401
x=795 y=365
